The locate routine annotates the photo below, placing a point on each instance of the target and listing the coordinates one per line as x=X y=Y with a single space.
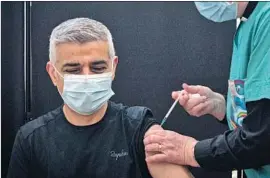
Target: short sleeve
x=257 y=85
x=146 y=120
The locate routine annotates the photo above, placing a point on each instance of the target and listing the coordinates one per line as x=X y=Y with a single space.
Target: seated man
x=88 y=136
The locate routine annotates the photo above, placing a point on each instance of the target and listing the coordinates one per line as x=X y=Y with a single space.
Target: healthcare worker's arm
x=20 y=158
x=161 y=170
x=243 y=148
x=246 y=147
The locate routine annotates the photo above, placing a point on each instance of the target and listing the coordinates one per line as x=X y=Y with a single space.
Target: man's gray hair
x=80 y=31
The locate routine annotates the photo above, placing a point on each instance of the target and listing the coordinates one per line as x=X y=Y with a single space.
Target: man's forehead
x=100 y=46
x=92 y=51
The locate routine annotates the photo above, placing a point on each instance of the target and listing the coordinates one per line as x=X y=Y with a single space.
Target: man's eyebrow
x=98 y=62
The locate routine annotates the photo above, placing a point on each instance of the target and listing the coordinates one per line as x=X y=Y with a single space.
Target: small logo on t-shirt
x=118 y=155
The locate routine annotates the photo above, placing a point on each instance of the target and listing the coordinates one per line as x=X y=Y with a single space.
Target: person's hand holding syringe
x=199 y=100
x=182 y=93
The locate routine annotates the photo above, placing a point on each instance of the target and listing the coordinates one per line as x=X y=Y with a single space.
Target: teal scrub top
x=250 y=71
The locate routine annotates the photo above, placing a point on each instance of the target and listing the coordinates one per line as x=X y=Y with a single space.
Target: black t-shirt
x=50 y=146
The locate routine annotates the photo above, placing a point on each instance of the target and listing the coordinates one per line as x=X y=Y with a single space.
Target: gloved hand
x=199 y=100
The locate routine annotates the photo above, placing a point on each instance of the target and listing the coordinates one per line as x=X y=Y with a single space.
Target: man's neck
x=81 y=120
x=241 y=8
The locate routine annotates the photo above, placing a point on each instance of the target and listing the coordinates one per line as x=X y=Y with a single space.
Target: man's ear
x=115 y=63
x=51 y=71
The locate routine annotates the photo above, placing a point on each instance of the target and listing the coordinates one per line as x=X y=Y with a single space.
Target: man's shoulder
x=132 y=112
x=40 y=122
x=138 y=118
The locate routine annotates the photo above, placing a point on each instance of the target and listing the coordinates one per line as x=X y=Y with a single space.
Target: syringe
x=172 y=107
x=169 y=112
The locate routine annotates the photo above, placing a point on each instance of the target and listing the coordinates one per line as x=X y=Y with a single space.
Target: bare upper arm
x=167 y=170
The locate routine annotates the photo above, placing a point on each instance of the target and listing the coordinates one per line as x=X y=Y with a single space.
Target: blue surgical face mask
x=86 y=94
x=218 y=11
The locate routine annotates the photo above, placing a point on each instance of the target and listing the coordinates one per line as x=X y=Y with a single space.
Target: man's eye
x=72 y=71
x=98 y=69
